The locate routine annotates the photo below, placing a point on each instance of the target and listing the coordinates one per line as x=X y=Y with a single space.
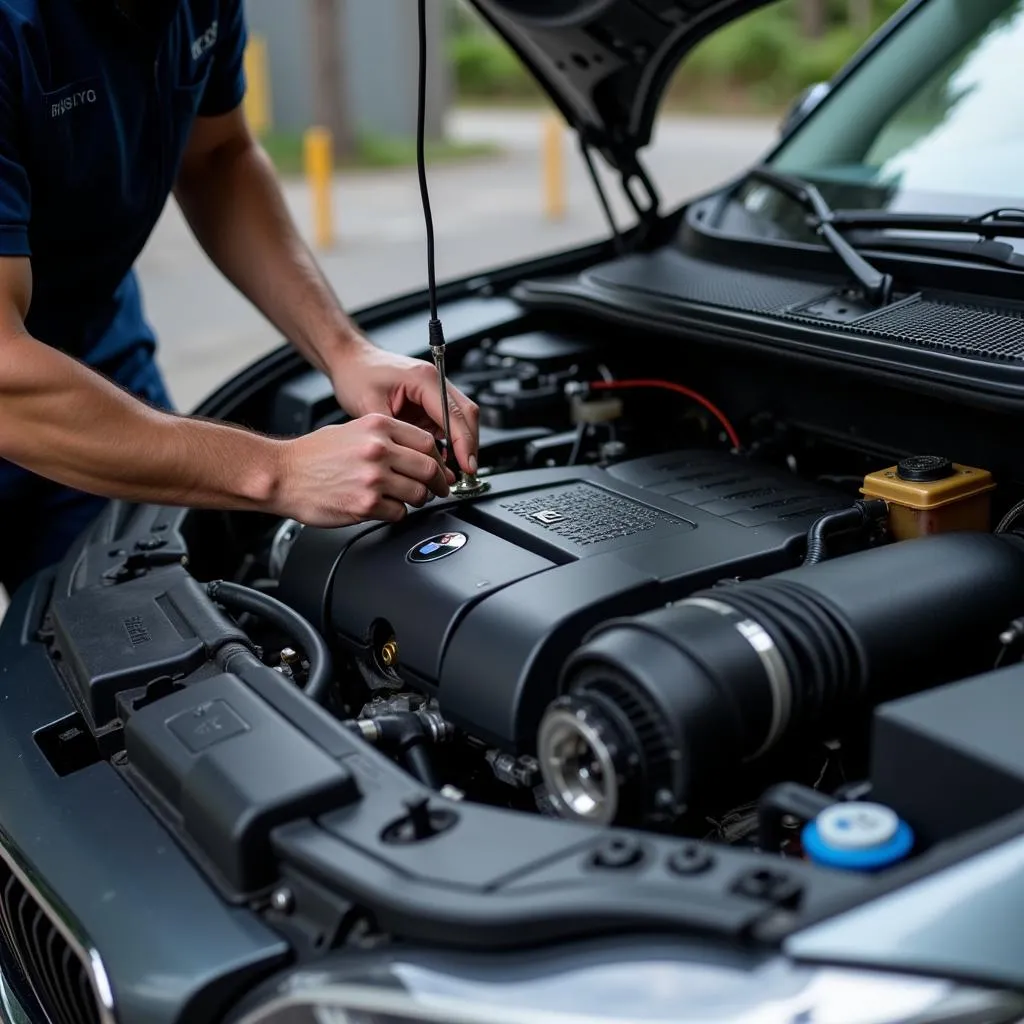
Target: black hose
x=861 y=514
x=782 y=801
x=239 y=598
x=405 y=735
x=1008 y=521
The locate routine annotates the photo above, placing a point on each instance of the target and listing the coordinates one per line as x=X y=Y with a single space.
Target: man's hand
x=370 y=468
x=369 y=380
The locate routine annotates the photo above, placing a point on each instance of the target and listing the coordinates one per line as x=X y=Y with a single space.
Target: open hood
x=606 y=63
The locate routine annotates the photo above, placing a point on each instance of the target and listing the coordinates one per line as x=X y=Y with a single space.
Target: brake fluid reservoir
x=930 y=494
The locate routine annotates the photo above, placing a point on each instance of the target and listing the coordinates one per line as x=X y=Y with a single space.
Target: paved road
x=486 y=213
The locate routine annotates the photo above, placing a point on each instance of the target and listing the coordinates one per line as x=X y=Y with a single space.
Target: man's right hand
x=65 y=422
x=370 y=468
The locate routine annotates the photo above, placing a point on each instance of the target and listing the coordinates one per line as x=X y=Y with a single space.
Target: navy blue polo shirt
x=95 y=114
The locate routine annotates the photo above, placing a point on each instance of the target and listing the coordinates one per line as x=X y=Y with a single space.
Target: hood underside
x=606 y=63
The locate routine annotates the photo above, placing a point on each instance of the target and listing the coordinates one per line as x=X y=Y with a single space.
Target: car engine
x=619 y=630
x=742 y=657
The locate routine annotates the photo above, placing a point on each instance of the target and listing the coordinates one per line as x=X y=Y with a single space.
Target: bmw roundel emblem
x=441 y=546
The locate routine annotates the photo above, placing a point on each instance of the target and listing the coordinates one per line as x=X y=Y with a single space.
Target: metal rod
x=442 y=378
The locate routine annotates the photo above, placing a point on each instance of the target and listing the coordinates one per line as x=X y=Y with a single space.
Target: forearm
x=235 y=208
x=63 y=421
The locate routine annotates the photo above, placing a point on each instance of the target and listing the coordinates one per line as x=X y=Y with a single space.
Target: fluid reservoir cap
x=924 y=468
x=857 y=836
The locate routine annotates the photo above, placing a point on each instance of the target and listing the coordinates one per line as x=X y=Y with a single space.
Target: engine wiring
x=666 y=385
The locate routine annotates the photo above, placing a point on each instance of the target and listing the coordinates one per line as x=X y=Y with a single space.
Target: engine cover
x=486 y=598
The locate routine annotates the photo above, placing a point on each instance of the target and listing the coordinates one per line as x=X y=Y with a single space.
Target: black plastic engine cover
x=486 y=617
x=126 y=636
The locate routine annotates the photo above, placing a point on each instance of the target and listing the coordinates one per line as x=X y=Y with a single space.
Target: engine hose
x=1008 y=521
x=239 y=598
x=861 y=514
x=405 y=734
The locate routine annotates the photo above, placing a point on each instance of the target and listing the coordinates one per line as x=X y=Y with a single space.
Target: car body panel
x=106 y=864
x=966 y=922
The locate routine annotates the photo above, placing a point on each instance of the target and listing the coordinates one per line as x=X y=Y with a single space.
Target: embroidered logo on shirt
x=67 y=103
x=205 y=42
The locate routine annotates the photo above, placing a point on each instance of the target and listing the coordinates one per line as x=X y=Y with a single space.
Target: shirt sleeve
x=225 y=88
x=15 y=191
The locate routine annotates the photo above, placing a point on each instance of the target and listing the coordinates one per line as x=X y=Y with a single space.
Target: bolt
x=770 y=886
x=618 y=853
x=664 y=800
x=452 y=793
x=690 y=859
x=389 y=653
x=289 y=657
x=282 y=900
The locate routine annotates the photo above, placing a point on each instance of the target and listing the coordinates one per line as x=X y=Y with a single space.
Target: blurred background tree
x=755 y=65
x=330 y=100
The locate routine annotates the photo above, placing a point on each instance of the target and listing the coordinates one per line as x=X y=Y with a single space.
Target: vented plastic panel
x=54 y=970
x=989 y=333
x=733 y=489
x=670 y=274
x=957 y=327
x=587 y=515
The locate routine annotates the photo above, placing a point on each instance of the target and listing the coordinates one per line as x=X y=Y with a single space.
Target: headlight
x=662 y=993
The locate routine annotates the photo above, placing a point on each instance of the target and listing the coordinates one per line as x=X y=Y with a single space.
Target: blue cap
x=857 y=836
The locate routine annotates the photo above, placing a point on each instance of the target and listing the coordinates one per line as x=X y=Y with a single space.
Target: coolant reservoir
x=930 y=494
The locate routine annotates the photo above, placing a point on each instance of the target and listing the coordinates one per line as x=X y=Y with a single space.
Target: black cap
x=924 y=468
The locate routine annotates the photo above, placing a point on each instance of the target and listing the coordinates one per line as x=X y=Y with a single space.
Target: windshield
x=932 y=122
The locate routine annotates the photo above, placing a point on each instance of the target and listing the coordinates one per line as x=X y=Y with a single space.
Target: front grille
x=59 y=974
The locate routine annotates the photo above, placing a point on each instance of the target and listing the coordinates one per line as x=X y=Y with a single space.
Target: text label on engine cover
x=441 y=546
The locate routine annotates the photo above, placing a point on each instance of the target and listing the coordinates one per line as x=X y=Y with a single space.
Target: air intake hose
x=655 y=705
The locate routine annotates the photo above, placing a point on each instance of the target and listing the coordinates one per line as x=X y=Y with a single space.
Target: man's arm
x=230 y=196
x=228 y=191
x=63 y=421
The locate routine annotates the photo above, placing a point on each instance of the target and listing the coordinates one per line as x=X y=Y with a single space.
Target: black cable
x=421 y=158
x=239 y=598
x=861 y=514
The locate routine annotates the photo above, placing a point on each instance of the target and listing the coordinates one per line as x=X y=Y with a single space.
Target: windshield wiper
x=876 y=284
x=1005 y=222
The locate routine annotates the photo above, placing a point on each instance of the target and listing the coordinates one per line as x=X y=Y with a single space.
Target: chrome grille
x=65 y=979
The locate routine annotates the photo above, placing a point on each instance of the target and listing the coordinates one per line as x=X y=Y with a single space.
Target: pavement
x=487 y=212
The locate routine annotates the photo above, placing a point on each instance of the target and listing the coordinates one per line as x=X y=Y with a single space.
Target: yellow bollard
x=553 y=158
x=319 y=151
x=258 y=105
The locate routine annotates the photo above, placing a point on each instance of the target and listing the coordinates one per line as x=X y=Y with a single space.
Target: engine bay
x=697 y=638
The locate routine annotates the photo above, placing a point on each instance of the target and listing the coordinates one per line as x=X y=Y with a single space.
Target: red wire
x=611 y=385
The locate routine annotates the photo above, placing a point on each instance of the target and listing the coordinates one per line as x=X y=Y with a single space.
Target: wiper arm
x=876 y=284
x=1001 y=223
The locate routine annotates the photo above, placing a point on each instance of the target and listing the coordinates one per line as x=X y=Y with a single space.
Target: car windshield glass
x=931 y=122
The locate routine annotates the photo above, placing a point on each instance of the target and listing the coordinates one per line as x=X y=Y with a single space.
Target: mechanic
x=106 y=108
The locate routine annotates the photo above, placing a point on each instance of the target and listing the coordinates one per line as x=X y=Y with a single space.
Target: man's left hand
x=370 y=380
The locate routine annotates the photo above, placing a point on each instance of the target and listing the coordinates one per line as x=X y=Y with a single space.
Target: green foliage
x=285 y=149
x=485 y=67
x=760 y=61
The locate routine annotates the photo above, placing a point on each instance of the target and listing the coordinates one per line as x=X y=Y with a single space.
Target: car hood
x=606 y=63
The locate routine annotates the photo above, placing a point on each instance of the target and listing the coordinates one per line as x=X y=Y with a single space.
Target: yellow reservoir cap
x=928 y=494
